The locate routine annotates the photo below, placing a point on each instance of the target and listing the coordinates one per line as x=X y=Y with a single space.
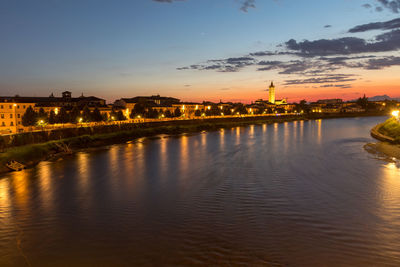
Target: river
x=294 y=194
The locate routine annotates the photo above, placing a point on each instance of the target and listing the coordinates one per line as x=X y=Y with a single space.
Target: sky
x=197 y=50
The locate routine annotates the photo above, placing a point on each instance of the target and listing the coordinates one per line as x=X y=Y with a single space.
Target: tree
x=215 y=110
x=42 y=115
x=62 y=116
x=304 y=106
x=197 y=113
x=168 y=114
x=120 y=116
x=227 y=111
x=52 y=117
x=363 y=102
x=177 y=112
x=240 y=108
x=96 y=115
x=86 y=114
x=74 y=114
x=29 y=117
x=104 y=117
x=151 y=113
x=260 y=110
x=138 y=110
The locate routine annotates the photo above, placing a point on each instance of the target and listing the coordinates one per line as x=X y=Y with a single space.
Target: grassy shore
x=391 y=128
x=389 y=133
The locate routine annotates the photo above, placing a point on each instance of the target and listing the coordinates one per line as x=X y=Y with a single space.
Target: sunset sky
x=200 y=49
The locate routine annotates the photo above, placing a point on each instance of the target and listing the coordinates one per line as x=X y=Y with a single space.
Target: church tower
x=272 y=93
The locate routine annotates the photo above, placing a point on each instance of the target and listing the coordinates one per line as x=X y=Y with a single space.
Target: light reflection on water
x=301 y=193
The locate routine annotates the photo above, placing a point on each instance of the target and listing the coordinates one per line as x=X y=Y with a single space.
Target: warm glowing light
x=56 y=111
x=395 y=113
x=183 y=107
x=197 y=107
x=80 y=119
x=208 y=107
x=15 y=105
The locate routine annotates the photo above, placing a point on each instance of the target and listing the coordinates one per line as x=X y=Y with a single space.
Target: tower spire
x=271 y=90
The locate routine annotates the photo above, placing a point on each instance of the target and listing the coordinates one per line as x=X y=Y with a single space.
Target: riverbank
x=388 y=133
x=32 y=154
x=384 y=150
x=391 y=130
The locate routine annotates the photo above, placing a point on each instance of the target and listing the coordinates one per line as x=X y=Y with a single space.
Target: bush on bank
x=391 y=128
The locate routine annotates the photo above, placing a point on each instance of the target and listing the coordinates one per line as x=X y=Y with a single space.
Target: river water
x=292 y=194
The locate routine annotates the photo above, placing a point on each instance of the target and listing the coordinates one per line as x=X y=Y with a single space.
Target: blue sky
x=125 y=48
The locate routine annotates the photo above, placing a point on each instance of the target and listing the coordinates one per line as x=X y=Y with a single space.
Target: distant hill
x=380 y=98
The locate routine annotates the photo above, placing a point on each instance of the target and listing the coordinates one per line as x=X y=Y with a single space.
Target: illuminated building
x=271 y=91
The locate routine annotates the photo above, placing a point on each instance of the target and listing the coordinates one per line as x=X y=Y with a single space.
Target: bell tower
x=271 y=90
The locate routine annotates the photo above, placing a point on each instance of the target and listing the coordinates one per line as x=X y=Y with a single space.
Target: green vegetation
x=391 y=128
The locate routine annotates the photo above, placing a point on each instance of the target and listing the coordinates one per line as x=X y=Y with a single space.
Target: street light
x=396 y=114
x=41 y=123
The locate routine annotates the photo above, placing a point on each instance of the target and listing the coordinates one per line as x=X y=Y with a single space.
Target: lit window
x=2 y=116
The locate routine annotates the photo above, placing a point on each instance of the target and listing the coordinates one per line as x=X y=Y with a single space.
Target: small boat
x=15 y=165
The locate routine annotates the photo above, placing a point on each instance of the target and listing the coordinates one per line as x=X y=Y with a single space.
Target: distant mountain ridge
x=380 y=98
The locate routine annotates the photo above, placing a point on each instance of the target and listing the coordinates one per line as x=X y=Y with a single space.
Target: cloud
x=167 y=1
x=393 y=5
x=387 y=25
x=344 y=86
x=317 y=61
x=367 y=6
x=232 y=64
x=380 y=63
x=328 y=26
x=385 y=42
x=332 y=78
x=245 y=4
x=248 y=4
